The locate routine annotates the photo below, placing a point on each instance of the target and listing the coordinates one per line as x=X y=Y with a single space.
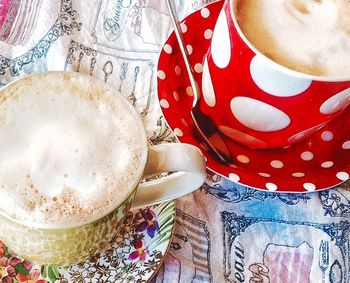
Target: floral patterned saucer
x=134 y=256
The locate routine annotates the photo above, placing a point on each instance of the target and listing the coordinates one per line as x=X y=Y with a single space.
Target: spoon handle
x=205 y=128
x=183 y=50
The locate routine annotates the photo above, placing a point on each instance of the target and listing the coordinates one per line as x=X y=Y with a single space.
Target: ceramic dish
x=319 y=162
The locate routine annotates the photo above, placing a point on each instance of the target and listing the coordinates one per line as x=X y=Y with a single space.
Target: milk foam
x=310 y=36
x=69 y=150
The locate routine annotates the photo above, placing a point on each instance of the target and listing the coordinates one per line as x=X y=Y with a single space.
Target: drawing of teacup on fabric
x=17 y=20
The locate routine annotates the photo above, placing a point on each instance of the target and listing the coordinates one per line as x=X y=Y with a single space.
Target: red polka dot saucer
x=318 y=162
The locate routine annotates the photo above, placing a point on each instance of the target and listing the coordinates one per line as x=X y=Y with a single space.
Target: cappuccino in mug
x=277 y=71
x=69 y=151
x=309 y=36
x=73 y=153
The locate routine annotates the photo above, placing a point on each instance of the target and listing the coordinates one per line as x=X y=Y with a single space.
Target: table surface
x=224 y=232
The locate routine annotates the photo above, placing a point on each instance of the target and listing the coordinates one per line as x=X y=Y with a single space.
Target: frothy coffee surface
x=69 y=149
x=310 y=36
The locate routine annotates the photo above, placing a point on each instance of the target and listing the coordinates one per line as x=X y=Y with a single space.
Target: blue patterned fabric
x=224 y=232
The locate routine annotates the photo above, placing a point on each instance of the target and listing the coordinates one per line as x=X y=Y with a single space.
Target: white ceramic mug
x=65 y=244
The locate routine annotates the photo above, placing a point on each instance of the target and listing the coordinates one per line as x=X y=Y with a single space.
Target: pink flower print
x=14 y=261
x=17 y=270
x=7 y=273
x=150 y=224
x=11 y=271
x=140 y=252
x=4 y=262
x=6 y=279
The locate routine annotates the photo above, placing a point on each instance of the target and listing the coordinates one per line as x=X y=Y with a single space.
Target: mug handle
x=188 y=167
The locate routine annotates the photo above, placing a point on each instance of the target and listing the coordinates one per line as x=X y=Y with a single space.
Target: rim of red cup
x=276 y=65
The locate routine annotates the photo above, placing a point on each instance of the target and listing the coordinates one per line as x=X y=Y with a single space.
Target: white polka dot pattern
x=221 y=43
x=277 y=164
x=307 y=156
x=161 y=75
x=205 y=13
x=327 y=164
x=258 y=115
x=178 y=132
x=208 y=34
x=168 y=49
x=164 y=103
x=298 y=174
x=234 y=177
x=343 y=176
x=327 y=136
x=271 y=187
x=183 y=27
x=207 y=86
x=346 y=145
x=310 y=165
x=309 y=187
x=198 y=68
x=189 y=49
x=189 y=91
x=265 y=175
x=336 y=103
x=176 y=95
x=243 y=159
x=273 y=81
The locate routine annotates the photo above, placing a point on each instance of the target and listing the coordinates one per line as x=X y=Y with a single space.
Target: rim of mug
x=134 y=186
x=282 y=68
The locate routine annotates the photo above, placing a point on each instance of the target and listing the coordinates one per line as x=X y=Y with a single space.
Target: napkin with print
x=230 y=233
x=224 y=232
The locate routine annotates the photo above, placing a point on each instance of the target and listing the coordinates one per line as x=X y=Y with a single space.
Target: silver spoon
x=204 y=126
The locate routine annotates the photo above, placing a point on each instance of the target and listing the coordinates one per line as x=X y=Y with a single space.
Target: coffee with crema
x=69 y=151
x=309 y=36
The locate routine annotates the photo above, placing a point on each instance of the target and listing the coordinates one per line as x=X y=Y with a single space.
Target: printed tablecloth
x=224 y=232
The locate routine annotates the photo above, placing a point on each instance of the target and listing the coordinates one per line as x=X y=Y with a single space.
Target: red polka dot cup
x=257 y=102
